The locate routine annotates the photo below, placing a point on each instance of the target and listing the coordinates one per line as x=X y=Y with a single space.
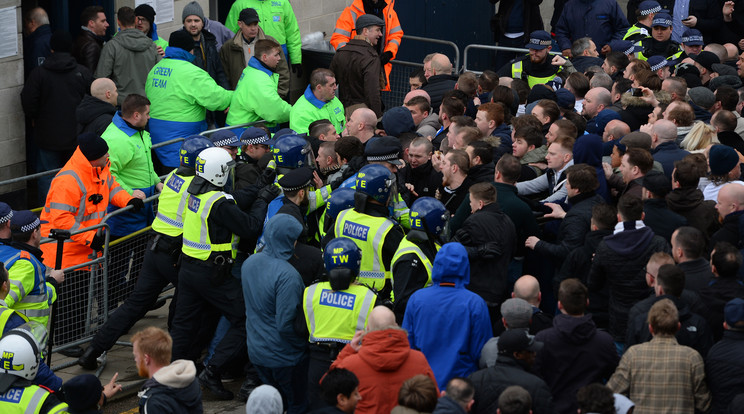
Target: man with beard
x=455 y=180
x=536 y=68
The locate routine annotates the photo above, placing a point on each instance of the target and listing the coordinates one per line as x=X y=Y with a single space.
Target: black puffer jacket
x=490 y=382
x=661 y=219
x=437 y=86
x=730 y=230
x=50 y=96
x=691 y=204
x=724 y=370
x=719 y=292
x=208 y=58
x=488 y=274
x=482 y=173
x=94 y=115
x=620 y=261
x=425 y=180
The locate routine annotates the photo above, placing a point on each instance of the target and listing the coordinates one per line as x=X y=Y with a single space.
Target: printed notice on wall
x=8 y=32
x=163 y=9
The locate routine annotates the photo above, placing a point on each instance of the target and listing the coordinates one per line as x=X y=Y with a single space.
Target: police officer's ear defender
x=341 y=278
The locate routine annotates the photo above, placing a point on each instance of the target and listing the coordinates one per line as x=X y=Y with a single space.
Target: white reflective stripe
x=309 y=308
x=36 y=400
x=96 y=215
x=369 y=298
x=377 y=262
x=35 y=313
x=35 y=298
x=342 y=32
x=60 y=409
x=324 y=193
x=83 y=191
x=60 y=206
x=395 y=41
x=169 y=221
x=340 y=45
x=353 y=18
x=21 y=289
x=339 y=222
x=114 y=192
x=416 y=250
x=396 y=29
x=204 y=233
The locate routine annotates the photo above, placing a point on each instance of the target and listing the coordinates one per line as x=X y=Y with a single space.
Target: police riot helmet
x=21 y=352
x=376 y=181
x=214 y=165
x=342 y=259
x=429 y=215
x=293 y=151
x=191 y=147
x=340 y=200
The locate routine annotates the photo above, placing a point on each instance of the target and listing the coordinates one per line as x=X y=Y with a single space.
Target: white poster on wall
x=164 y=9
x=8 y=32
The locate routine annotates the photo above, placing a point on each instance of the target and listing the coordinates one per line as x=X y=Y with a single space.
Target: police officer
x=31 y=292
x=642 y=29
x=537 y=67
x=340 y=199
x=660 y=42
x=160 y=264
x=412 y=262
x=385 y=151
x=21 y=354
x=212 y=222
x=334 y=310
x=369 y=225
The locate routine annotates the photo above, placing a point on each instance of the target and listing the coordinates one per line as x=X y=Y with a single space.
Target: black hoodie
x=94 y=115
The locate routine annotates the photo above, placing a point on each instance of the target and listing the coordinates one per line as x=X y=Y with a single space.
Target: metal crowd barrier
x=402 y=70
x=468 y=48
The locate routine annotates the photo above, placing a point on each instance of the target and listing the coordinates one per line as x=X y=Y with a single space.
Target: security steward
x=160 y=264
x=33 y=286
x=370 y=226
x=537 y=67
x=212 y=222
x=412 y=263
x=386 y=151
x=334 y=310
x=20 y=355
x=660 y=42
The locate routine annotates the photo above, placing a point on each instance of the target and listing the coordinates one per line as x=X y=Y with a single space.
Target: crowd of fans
x=560 y=233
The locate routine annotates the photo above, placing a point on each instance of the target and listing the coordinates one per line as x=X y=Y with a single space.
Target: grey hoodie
x=173 y=389
x=127 y=59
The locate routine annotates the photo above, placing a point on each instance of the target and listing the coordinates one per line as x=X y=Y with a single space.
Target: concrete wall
x=12 y=128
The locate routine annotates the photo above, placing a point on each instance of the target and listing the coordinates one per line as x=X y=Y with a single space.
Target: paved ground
x=120 y=360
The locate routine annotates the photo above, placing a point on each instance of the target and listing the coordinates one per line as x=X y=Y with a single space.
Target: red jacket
x=393 y=32
x=384 y=362
x=67 y=207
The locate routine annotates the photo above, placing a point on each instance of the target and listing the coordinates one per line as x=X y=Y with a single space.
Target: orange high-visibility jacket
x=68 y=207
x=393 y=33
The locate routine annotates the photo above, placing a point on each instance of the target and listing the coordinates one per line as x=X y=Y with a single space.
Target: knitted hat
x=566 y=99
x=83 y=392
x=722 y=159
x=182 y=40
x=146 y=11
x=61 y=41
x=192 y=9
x=397 y=121
x=657 y=183
x=92 y=146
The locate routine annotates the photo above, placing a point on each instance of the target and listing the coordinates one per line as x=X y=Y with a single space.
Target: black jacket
x=425 y=180
x=582 y=63
x=660 y=219
x=409 y=274
x=87 y=49
x=724 y=370
x=574 y=227
x=693 y=332
x=715 y=296
x=94 y=115
x=491 y=382
x=530 y=16
x=574 y=354
x=436 y=86
x=620 y=261
x=691 y=204
x=446 y=405
x=697 y=274
x=729 y=231
x=50 y=97
x=452 y=200
x=36 y=48
x=207 y=57
x=488 y=272
x=482 y=173
x=160 y=398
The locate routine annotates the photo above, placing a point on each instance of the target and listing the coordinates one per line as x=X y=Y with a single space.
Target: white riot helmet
x=214 y=165
x=20 y=351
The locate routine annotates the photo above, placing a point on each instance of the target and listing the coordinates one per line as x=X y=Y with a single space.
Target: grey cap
x=517 y=313
x=366 y=20
x=702 y=97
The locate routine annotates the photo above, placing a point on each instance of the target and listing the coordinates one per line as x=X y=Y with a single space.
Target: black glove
x=269 y=193
x=268 y=176
x=386 y=57
x=137 y=204
x=490 y=250
x=297 y=69
x=97 y=242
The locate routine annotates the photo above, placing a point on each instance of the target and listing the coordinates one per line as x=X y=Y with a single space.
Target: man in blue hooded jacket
x=447 y=322
x=273 y=291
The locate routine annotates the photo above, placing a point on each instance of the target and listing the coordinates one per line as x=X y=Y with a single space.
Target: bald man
x=527 y=287
x=663 y=146
x=371 y=360
x=95 y=111
x=730 y=208
x=595 y=101
x=361 y=124
x=441 y=81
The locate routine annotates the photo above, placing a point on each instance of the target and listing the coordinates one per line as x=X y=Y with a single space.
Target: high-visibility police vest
x=368 y=233
x=29 y=293
x=400 y=211
x=334 y=316
x=638 y=33
x=405 y=247
x=171 y=205
x=27 y=400
x=196 y=242
x=517 y=70
x=5 y=314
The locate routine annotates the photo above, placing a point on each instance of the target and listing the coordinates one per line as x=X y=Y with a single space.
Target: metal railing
x=468 y=48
